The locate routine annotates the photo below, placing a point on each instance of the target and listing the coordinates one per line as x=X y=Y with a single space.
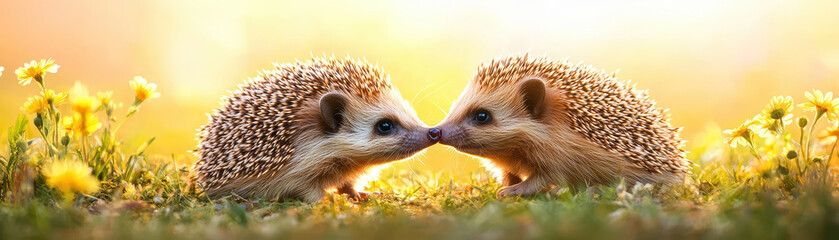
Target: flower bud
x=783 y=170
x=792 y=155
x=802 y=122
x=817 y=159
x=65 y=140
x=39 y=122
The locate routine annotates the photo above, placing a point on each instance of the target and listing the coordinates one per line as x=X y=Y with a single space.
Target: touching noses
x=434 y=134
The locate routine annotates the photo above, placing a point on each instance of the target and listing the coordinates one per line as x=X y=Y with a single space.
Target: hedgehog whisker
x=441 y=109
x=434 y=91
x=418 y=93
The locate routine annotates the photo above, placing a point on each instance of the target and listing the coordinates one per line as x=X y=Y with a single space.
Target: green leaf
x=17 y=131
x=143 y=147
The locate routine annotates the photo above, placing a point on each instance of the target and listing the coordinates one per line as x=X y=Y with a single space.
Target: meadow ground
x=75 y=179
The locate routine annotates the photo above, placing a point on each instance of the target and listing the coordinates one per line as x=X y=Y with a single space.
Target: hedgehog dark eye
x=384 y=126
x=482 y=117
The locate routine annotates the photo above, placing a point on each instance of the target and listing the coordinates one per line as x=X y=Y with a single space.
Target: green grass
x=446 y=210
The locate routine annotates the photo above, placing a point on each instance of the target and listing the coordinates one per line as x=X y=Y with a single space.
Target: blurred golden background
x=711 y=61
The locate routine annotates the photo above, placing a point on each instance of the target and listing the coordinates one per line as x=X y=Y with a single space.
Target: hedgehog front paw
x=363 y=195
x=518 y=189
x=349 y=190
x=528 y=187
x=355 y=195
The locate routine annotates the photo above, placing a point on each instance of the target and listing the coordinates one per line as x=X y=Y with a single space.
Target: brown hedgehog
x=552 y=122
x=300 y=129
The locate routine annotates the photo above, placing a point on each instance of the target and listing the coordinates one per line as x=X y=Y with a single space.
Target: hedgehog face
x=494 y=123
x=371 y=132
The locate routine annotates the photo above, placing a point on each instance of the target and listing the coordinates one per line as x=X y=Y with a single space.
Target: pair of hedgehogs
x=298 y=130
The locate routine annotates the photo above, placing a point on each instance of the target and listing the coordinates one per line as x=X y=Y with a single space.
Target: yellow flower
x=51 y=97
x=830 y=135
x=67 y=124
x=81 y=101
x=70 y=177
x=81 y=124
x=768 y=146
x=84 y=104
x=143 y=89
x=105 y=97
x=821 y=103
x=742 y=135
x=779 y=108
x=764 y=127
x=35 y=70
x=35 y=104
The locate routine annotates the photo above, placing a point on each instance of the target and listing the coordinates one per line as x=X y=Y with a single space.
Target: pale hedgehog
x=552 y=122
x=303 y=128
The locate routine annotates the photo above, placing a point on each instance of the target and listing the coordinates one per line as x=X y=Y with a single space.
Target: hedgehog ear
x=332 y=109
x=533 y=91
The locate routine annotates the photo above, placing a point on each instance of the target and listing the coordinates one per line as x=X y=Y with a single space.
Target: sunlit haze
x=706 y=61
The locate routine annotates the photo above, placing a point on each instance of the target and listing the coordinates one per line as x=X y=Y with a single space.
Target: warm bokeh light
x=707 y=61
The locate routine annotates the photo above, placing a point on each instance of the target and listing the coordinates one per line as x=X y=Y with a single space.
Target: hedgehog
x=551 y=122
x=305 y=128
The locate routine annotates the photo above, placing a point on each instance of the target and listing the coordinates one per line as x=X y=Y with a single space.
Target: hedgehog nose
x=434 y=134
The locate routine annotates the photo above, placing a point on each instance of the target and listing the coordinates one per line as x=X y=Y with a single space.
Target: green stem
x=41 y=84
x=45 y=137
x=84 y=149
x=754 y=151
x=827 y=162
x=131 y=111
x=114 y=133
x=781 y=129
x=800 y=152
x=55 y=121
x=107 y=145
x=810 y=135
